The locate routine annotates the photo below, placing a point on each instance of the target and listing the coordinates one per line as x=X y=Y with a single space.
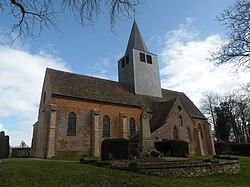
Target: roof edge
x=104 y=101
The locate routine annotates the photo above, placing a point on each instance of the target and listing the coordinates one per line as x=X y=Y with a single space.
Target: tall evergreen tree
x=223 y=125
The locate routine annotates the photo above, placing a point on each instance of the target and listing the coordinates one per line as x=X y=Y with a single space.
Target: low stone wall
x=176 y=168
x=186 y=168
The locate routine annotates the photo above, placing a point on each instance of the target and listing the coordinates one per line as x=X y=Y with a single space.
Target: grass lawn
x=69 y=158
x=28 y=172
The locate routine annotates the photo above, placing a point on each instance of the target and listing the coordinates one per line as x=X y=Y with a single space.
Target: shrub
x=20 y=152
x=133 y=150
x=164 y=147
x=232 y=148
x=114 y=149
x=241 y=149
x=175 y=148
x=222 y=148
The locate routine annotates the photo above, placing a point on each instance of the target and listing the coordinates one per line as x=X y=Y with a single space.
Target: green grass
x=28 y=172
x=69 y=158
x=73 y=158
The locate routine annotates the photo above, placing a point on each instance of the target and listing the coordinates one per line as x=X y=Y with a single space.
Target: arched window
x=188 y=133
x=72 y=124
x=200 y=129
x=132 y=125
x=106 y=127
x=180 y=121
x=175 y=133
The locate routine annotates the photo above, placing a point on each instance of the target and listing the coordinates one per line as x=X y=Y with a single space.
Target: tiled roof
x=86 y=87
x=168 y=95
x=91 y=88
x=160 y=113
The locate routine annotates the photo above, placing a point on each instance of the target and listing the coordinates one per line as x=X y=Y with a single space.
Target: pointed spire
x=135 y=40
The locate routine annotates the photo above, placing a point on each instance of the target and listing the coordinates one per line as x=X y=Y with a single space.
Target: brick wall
x=173 y=120
x=42 y=133
x=81 y=143
x=34 y=140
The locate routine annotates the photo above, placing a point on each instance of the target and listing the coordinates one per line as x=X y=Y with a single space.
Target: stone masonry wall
x=186 y=168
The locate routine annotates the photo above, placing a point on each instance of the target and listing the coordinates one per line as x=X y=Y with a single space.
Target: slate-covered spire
x=135 y=40
x=138 y=68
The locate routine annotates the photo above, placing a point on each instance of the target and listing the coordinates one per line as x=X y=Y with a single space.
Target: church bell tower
x=138 y=68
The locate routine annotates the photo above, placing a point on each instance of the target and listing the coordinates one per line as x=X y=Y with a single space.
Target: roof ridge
x=164 y=89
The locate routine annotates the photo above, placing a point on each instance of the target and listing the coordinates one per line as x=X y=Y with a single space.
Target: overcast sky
x=182 y=34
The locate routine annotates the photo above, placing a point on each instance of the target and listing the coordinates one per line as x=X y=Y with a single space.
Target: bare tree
x=23 y=145
x=33 y=16
x=209 y=102
x=230 y=105
x=236 y=49
x=244 y=109
x=229 y=113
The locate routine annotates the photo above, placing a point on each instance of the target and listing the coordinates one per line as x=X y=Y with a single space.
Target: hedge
x=20 y=152
x=133 y=150
x=114 y=149
x=229 y=148
x=119 y=148
x=175 y=148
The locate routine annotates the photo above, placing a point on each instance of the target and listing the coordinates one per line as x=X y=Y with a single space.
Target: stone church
x=78 y=112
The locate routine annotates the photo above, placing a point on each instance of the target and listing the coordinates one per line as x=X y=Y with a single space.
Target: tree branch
x=237 y=48
x=34 y=16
